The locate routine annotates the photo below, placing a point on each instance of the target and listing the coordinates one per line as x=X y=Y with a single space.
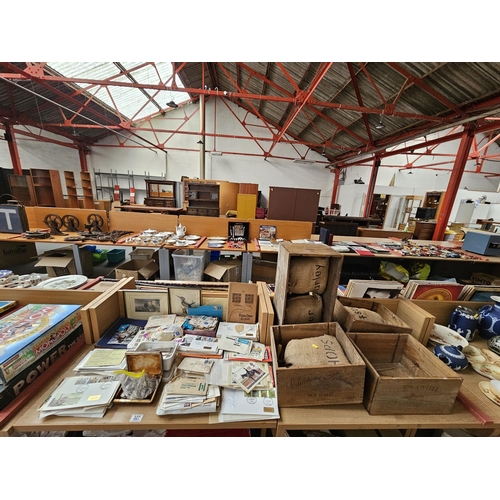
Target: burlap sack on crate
x=308 y=274
x=315 y=351
x=304 y=309
x=363 y=314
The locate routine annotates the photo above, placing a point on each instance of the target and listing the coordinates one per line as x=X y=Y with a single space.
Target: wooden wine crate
x=403 y=377
x=321 y=385
x=287 y=252
x=400 y=316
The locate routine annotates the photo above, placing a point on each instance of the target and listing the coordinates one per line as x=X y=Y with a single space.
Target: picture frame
x=373 y=289
x=181 y=298
x=141 y=304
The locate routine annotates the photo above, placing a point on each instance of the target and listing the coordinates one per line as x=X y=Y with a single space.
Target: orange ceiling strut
x=371 y=187
x=454 y=182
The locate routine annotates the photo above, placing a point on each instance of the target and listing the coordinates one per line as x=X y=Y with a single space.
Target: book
x=121 y=333
x=80 y=393
x=27 y=333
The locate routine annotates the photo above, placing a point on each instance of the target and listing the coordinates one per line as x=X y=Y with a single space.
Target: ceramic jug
x=180 y=230
x=464 y=321
x=452 y=355
x=489 y=319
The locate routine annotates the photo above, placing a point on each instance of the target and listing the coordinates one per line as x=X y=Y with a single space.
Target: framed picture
x=182 y=298
x=373 y=289
x=141 y=304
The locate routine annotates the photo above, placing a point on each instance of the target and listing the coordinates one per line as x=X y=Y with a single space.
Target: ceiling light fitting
x=172 y=104
x=200 y=142
x=380 y=125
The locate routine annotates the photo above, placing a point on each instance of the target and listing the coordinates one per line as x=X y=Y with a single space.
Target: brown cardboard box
x=16 y=253
x=263 y=270
x=224 y=270
x=321 y=385
x=138 y=269
x=144 y=254
x=61 y=262
x=403 y=377
x=242 y=303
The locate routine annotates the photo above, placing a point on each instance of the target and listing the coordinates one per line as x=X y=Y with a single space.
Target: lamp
x=200 y=142
x=380 y=125
x=172 y=104
x=323 y=153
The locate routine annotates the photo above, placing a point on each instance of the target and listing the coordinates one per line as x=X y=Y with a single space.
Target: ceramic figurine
x=452 y=355
x=464 y=321
x=489 y=319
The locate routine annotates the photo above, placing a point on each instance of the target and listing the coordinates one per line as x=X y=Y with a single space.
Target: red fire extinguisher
x=116 y=193
x=132 y=195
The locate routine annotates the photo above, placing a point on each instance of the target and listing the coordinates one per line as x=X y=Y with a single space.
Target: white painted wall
x=238 y=165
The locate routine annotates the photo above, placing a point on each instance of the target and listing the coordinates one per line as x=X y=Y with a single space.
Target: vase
x=489 y=319
x=464 y=321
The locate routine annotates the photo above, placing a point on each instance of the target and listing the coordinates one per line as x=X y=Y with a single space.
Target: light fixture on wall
x=200 y=142
x=172 y=104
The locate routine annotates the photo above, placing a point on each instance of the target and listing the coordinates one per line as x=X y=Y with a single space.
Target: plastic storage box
x=116 y=255
x=190 y=264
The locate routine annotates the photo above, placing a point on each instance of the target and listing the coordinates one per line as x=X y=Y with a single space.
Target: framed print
x=141 y=304
x=182 y=298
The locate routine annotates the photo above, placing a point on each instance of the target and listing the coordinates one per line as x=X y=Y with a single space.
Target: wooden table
x=118 y=417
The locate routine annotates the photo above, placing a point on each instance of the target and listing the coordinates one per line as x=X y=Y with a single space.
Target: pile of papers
x=102 y=360
x=81 y=396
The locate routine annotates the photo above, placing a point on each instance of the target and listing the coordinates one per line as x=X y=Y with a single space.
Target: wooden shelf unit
x=203 y=199
x=160 y=193
x=88 y=195
x=21 y=188
x=48 y=188
x=72 y=195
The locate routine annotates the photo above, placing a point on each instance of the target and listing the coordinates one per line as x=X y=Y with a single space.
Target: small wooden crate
x=322 y=385
x=403 y=377
x=286 y=253
x=400 y=316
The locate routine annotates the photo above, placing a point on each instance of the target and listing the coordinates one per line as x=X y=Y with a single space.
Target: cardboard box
x=321 y=385
x=61 y=262
x=12 y=253
x=289 y=251
x=242 y=303
x=224 y=270
x=263 y=270
x=138 y=269
x=485 y=279
x=403 y=377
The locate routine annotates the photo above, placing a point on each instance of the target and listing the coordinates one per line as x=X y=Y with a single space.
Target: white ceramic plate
x=446 y=336
x=217 y=238
x=192 y=237
x=487 y=370
x=486 y=390
x=215 y=245
x=63 y=282
x=180 y=243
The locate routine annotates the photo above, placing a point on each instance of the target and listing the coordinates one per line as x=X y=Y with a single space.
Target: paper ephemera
x=240 y=330
x=196 y=365
x=235 y=344
x=249 y=375
x=187 y=386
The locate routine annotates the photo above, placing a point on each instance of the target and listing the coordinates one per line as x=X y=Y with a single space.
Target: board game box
x=27 y=333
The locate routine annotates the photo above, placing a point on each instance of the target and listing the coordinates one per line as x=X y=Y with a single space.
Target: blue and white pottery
x=489 y=319
x=452 y=356
x=464 y=321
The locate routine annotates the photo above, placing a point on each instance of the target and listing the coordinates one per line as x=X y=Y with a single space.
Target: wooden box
x=322 y=385
x=393 y=323
x=403 y=377
x=287 y=252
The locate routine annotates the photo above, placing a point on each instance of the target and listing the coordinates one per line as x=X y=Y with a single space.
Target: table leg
x=78 y=260
x=164 y=263
x=246 y=267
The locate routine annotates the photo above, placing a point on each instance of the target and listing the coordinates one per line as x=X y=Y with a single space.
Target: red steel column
x=14 y=153
x=371 y=187
x=83 y=152
x=454 y=182
x=335 y=189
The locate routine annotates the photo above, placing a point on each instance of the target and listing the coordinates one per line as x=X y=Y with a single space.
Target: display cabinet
x=203 y=198
x=160 y=193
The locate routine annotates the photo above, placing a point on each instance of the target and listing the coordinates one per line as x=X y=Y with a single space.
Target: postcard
x=235 y=344
x=196 y=365
x=249 y=375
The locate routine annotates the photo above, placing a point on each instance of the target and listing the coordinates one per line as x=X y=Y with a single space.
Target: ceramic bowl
x=446 y=336
x=495 y=387
x=487 y=370
x=473 y=354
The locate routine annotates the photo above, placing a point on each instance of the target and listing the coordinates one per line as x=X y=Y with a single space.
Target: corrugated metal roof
x=339 y=118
